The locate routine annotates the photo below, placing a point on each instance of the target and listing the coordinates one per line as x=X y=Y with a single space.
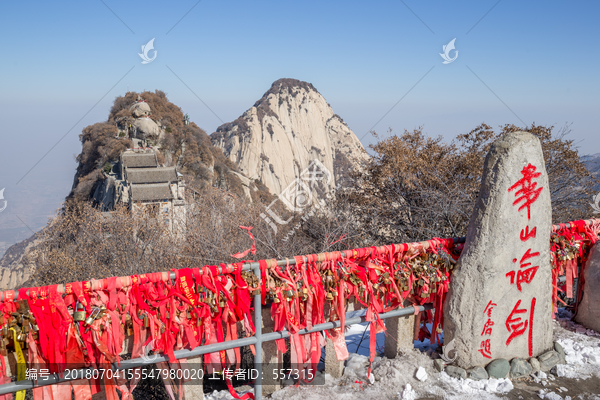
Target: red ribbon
x=251 y=249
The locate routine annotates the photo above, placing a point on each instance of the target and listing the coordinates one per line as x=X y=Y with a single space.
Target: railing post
x=272 y=357
x=258 y=335
x=194 y=389
x=399 y=337
x=334 y=367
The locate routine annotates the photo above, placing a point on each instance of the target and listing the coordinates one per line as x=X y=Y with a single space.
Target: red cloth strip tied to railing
x=570 y=245
x=84 y=323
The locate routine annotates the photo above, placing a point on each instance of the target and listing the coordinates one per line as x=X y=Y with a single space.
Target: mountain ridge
x=287 y=129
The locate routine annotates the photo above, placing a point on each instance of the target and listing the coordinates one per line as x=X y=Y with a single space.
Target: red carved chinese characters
x=526 y=234
x=488 y=309
x=517 y=325
x=487 y=328
x=529 y=191
x=524 y=275
x=520 y=320
x=484 y=346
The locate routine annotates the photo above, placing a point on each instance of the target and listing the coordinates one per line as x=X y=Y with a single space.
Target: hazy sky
x=62 y=63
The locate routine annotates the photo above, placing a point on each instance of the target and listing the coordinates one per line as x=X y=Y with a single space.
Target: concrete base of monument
x=514 y=369
x=501 y=368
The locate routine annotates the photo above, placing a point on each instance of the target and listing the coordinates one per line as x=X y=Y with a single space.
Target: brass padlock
x=79 y=314
x=329 y=296
x=92 y=317
x=22 y=306
x=146 y=321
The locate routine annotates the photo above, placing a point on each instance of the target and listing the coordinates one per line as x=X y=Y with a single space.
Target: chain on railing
x=258 y=268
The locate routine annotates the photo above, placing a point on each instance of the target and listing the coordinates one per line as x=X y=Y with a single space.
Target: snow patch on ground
x=549 y=395
x=411 y=376
x=582 y=350
x=397 y=379
x=218 y=395
x=476 y=387
x=408 y=393
x=421 y=374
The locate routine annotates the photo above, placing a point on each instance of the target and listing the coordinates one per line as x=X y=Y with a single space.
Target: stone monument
x=500 y=300
x=588 y=313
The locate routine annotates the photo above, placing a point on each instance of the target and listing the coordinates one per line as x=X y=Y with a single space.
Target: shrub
x=418 y=187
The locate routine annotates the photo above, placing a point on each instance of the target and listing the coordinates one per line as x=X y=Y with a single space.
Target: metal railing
x=258 y=339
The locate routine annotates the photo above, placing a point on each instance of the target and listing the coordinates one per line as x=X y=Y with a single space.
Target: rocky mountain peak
x=290 y=127
x=287 y=85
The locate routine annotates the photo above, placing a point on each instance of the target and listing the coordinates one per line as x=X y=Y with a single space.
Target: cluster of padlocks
x=214 y=304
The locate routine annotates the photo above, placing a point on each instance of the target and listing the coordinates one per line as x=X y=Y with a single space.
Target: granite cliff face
x=592 y=162
x=264 y=152
x=284 y=132
x=18 y=263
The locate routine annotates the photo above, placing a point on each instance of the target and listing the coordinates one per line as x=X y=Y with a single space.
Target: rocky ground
x=413 y=376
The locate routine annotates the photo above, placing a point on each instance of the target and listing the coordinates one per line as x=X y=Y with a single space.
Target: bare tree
x=417 y=187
